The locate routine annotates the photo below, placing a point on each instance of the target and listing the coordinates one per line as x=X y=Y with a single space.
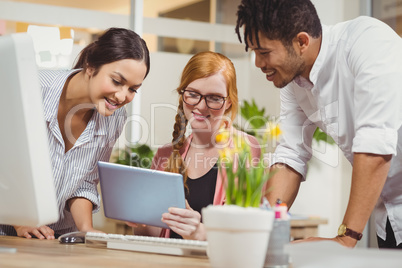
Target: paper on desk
x=330 y=254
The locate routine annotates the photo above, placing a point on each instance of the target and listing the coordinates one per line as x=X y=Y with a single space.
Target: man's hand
x=42 y=232
x=343 y=240
x=368 y=178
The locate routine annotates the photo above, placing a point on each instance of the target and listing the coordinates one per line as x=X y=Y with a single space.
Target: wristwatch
x=343 y=230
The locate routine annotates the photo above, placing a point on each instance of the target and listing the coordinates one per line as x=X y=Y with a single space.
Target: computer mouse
x=72 y=238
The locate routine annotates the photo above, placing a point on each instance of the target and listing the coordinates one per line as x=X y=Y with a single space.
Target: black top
x=200 y=192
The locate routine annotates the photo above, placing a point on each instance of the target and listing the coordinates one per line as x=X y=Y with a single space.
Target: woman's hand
x=42 y=232
x=144 y=230
x=132 y=224
x=185 y=222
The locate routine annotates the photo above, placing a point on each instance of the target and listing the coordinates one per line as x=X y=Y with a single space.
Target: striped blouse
x=75 y=172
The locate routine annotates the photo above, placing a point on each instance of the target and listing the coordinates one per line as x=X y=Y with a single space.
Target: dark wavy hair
x=277 y=19
x=113 y=45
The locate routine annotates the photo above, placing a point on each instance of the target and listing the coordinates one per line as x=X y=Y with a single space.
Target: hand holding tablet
x=139 y=195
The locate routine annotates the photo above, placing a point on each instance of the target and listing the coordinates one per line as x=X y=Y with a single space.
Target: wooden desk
x=304 y=228
x=299 y=228
x=50 y=253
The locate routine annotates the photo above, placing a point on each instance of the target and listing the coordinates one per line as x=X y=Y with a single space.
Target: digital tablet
x=139 y=195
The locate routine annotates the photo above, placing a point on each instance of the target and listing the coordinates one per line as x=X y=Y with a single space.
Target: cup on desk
x=280 y=236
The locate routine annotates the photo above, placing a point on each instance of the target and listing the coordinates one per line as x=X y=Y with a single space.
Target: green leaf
x=140 y=155
x=319 y=135
x=257 y=119
x=253 y=114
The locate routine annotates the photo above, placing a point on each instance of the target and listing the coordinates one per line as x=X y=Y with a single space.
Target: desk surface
x=308 y=222
x=304 y=228
x=50 y=253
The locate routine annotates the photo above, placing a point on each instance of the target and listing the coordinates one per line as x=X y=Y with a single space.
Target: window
x=390 y=12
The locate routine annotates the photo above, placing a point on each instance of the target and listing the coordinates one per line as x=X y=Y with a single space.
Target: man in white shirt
x=347 y=80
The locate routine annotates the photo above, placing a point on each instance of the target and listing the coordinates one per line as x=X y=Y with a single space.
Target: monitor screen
x=27 y=193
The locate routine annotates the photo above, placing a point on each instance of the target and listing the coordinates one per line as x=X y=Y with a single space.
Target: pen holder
x=280 y=236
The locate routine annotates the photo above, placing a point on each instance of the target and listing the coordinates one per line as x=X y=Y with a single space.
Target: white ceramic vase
x=237 y=236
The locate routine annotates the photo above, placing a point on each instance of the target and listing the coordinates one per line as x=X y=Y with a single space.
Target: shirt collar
x=321 y=55
x=53 y=94
x=303 y=82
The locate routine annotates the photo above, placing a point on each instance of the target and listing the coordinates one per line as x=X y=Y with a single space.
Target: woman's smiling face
x=201 y=117
x=115 y=84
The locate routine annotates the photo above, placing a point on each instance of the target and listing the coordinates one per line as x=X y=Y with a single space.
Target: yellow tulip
x=222 y=136
x=276 y=131
x=272 y=131
x=226 y=155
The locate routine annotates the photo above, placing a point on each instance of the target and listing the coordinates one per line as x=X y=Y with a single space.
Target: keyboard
x=161 y=245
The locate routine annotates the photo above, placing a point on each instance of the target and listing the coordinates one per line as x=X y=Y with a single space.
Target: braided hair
x=277 y=20
x=175 y=163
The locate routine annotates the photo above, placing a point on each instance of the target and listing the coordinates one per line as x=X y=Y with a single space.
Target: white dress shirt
x=75 y=171
x=355 y=96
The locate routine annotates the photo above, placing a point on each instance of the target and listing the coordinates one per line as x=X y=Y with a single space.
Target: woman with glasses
x=207 y=102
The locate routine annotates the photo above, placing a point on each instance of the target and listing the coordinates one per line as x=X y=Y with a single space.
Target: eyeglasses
x=213 y=102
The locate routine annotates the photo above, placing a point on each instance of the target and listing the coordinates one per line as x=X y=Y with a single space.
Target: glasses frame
x=203 y=97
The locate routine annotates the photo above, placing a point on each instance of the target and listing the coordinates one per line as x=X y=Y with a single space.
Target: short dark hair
x=277 y=19
x=113 y=45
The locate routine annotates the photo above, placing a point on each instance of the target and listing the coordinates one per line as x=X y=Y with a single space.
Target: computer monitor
x=27 y=193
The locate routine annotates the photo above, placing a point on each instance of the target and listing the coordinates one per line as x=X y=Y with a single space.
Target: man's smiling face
x=280 y=64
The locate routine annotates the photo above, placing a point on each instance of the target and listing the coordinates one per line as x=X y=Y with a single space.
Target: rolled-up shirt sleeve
x=377 y=91
x=294 y=148
x=88 y=188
